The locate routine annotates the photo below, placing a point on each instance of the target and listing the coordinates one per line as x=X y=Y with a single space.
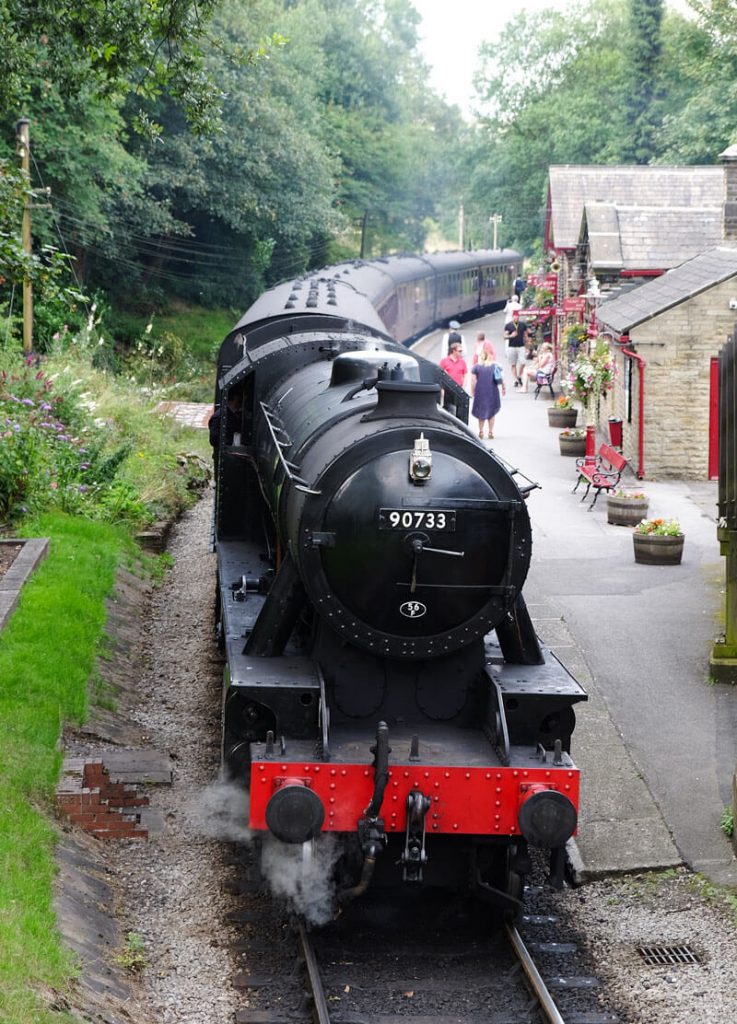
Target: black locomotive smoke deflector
x=403 y=399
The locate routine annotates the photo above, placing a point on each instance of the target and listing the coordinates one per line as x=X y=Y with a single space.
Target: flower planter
x=653 y=549
x=562 y=418
x=574 y=446
x=624 y=510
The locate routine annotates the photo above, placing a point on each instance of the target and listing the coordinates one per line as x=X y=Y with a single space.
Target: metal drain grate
x=668 y=956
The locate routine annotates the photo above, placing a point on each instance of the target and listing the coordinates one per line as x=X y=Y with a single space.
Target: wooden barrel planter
x=572 y=444
x=625 y=509
x=562 y=418
x=652 y=549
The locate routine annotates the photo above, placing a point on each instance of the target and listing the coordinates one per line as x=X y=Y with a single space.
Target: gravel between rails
x=173 y=888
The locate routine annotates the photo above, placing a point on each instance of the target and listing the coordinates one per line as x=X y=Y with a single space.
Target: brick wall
x=677 y=346
x=105 y=809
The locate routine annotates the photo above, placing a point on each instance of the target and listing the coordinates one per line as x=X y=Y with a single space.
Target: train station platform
x=657 y=740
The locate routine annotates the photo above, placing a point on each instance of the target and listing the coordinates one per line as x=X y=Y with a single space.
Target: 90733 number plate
x=438 y=520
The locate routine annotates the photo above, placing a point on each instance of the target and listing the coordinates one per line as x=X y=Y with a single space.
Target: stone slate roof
x=649 y=300
x=647 y=237
x=571 y=187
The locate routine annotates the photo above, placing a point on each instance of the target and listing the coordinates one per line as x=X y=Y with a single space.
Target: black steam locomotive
x=384 y=682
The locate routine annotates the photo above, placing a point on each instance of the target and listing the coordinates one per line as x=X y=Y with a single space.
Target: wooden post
x=24 y=152
x=723 y=661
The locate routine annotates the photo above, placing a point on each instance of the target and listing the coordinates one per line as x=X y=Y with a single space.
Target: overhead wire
x=186 y=252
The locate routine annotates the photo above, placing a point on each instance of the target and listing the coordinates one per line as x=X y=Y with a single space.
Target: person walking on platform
x=455 y=366
x=452 y=334
x=513 y=304
x=486 y=381
x=515 y=333
x=479 y=347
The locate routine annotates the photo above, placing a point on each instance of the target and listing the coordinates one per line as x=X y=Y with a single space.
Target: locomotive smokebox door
x=411 y=569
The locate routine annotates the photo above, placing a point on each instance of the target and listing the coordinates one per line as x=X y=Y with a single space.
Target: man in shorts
x=515 y=335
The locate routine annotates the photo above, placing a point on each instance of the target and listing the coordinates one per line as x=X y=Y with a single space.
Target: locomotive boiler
x=384 y=682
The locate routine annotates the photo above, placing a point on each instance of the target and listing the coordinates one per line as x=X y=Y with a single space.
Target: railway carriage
x=383 y=681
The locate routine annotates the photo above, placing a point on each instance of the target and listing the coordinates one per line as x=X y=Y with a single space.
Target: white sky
x=452 y=31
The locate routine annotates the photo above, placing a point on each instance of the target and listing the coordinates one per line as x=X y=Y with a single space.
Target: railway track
x=412 y=964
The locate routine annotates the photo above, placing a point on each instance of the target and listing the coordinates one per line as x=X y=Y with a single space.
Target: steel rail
x=533 y=975
x=313 y=973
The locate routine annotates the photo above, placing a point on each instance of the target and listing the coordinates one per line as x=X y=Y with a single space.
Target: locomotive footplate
x=469 y=791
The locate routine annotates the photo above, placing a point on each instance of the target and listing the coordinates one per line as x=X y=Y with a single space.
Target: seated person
x=537 y=369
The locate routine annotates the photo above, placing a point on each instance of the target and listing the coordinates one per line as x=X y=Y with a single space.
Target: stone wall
x=677 y=346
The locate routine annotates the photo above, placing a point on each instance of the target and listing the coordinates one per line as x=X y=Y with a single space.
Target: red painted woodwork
x=714 y=418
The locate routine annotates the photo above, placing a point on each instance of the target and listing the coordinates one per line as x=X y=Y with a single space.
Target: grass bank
x=86 y=460
x=47 y=655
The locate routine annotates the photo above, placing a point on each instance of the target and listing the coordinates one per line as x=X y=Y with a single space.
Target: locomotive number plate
x=439 y=520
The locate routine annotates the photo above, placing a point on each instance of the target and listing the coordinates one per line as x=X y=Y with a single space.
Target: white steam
x=221 y=812
x=303 y=874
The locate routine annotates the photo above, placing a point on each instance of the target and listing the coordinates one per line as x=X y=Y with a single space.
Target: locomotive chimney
x=405 y=399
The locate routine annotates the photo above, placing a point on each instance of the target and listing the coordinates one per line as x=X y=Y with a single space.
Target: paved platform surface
x=657 y=740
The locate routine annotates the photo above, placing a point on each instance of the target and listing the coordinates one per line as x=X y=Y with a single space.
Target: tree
x=562 y=91
x=642 y=113
x=701 y=62
x=107 y=45
x=557 y=104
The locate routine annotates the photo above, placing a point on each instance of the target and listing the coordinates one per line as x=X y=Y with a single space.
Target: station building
x=665 y=297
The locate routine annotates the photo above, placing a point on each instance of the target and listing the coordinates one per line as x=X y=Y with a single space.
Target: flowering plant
x=592 y=376
x=571 y=434
x=660 y=527
x=563 y=402
x=575 y=335
x=632 y=495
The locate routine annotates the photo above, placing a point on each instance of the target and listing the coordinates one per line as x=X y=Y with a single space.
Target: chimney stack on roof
x=729 y=225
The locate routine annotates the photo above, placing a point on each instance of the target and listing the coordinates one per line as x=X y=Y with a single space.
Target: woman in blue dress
x=486 y=380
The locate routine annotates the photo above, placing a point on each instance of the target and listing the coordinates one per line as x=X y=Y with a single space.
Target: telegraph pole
x=24 y=152
x=495 y=220
x=461 y=227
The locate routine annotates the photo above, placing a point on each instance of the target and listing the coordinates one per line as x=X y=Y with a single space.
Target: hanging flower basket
x=592 y=376
x=572 y=442
x=624 y=508
x=658 y=542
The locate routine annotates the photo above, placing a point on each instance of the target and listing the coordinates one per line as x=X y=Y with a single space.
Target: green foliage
x=591 y=375
x=643 y=107
x=727 y=822
x=133 y=957
x=52 y=454
x=159 y=566
x=592 y=85
x=113 y=44
x=659 y=527
x=575 y=336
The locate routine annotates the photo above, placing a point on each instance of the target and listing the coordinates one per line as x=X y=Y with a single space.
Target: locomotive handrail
x=272 y=425
x=324 y=715
x=502 y=728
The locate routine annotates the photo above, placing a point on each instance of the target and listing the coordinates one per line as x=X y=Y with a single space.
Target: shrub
x=53 y=455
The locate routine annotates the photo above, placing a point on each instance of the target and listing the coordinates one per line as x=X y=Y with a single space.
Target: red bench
x=602 y=473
